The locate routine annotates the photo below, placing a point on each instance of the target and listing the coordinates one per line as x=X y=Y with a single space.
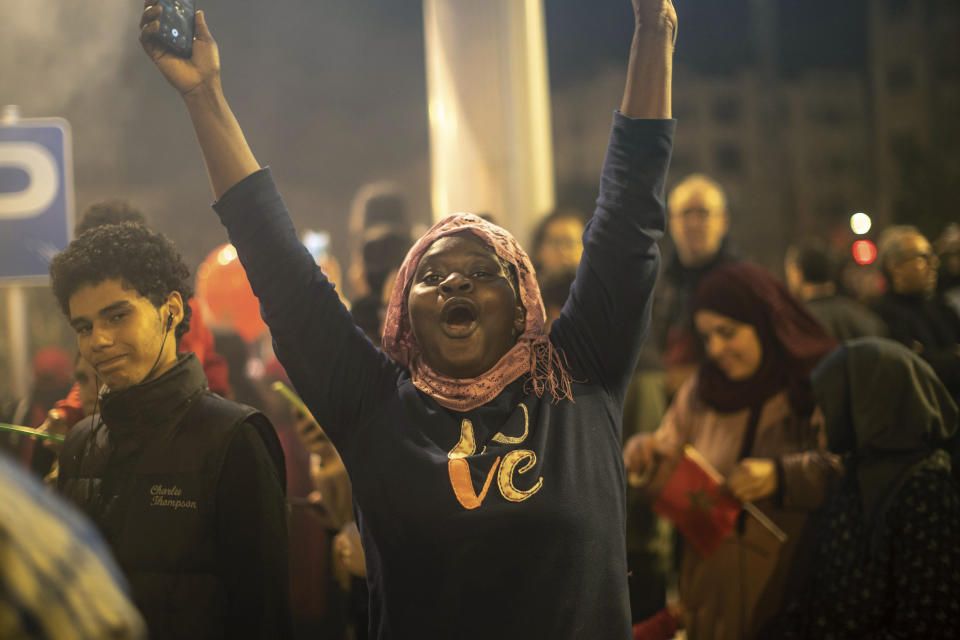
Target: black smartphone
x=176 y=26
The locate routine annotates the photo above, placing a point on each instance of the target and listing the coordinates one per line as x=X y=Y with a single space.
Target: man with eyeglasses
x=916 y=315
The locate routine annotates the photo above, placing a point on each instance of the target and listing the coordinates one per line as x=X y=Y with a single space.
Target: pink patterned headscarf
x=533 y=354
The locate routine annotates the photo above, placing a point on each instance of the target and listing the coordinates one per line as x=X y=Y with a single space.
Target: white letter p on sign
x=41 y=169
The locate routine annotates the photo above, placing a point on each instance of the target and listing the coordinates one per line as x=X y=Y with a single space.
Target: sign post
x=17 y=335
x=36 y=218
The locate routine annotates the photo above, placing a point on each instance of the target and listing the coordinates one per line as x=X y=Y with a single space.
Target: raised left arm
x=648 y=90
x=608 y=310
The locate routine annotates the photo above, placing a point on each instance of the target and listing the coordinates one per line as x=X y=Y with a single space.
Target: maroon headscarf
x=792 y=340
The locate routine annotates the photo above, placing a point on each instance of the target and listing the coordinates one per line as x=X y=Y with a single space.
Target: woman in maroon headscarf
x=750 y=412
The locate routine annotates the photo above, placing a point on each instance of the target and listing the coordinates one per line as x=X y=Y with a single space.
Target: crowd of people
x=475 y=444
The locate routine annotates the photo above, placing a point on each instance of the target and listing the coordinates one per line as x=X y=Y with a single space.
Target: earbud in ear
x=169 y=321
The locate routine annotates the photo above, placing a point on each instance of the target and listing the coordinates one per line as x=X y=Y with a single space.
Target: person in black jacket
x=187 y=488
x=916 y=315
x=812 y=267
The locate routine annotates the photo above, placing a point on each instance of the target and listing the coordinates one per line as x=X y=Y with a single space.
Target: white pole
x=18 y=336
x=489 y=109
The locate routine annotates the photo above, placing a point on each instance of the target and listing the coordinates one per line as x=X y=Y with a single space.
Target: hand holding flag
x=699 y=506
x=753 y=479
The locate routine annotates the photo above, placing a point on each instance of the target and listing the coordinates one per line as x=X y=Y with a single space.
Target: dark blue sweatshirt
x=506 y=521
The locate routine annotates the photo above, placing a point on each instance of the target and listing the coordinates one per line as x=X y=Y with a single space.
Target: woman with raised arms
x=485 y=456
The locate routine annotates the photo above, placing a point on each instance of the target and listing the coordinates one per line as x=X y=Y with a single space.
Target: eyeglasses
x=696 y=213
x=927 y=257
x=561 y=242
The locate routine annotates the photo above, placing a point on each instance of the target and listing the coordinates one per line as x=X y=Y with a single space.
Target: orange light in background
x=227 y=255
x=225 y=295
x=864 y=252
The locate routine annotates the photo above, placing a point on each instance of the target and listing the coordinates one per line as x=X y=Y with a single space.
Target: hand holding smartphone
x=177 y=26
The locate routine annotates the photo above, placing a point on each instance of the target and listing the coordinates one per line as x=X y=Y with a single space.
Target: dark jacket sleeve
x=918 y=331
x=252 y=541
x=946 y=360
x=805 y=477
x=604 y=320
x=334 y=367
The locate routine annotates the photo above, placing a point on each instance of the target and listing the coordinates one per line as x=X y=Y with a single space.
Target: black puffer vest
x=147 y=474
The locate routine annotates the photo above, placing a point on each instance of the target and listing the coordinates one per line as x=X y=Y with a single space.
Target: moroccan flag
x=695 y=503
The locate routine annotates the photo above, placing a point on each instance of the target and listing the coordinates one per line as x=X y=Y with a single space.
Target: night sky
x=714 y=35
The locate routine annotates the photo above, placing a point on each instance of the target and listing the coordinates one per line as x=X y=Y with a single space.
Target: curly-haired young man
x=69 y=410
x=188 y=488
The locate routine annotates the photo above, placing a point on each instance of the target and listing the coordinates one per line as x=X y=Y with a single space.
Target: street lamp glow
x=860 y=223
x=227 y=255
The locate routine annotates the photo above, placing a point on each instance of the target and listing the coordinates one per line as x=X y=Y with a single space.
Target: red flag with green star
x=695 y=503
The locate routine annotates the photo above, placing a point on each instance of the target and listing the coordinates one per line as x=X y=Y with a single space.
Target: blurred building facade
x=829 y=149
x=793 y=154
x=915 y=78
x=798 y=154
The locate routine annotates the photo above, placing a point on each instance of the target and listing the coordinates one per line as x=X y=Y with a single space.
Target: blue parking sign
x=36 y=197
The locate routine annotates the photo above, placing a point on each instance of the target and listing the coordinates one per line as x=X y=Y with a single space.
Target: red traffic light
x=864 y=252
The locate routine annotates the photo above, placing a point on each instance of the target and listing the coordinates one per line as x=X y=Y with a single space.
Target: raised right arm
x=335 y=369
x=226 y=154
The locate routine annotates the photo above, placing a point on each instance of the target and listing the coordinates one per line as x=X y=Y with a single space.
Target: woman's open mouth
x=458 y=318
